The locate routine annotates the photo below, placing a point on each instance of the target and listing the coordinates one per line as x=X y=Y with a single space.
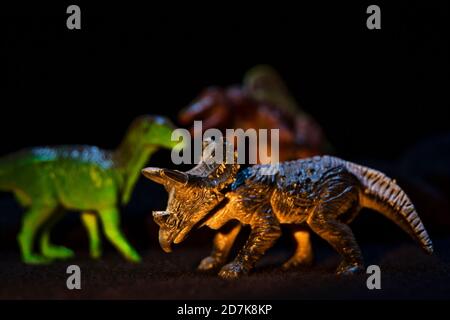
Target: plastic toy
x=261 y=102
x=47 y=180
x=323 y=193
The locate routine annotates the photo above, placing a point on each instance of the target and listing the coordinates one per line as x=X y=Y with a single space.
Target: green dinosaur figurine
x=47 y=180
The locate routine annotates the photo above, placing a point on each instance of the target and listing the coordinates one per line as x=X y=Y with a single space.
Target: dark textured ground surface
x=407 y=273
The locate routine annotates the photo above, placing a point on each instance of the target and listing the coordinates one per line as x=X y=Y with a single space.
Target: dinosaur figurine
x=262 y=101
x=323 y=193
x=47 y=180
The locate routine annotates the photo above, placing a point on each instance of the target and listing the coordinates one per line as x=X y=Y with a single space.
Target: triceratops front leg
x=223 y=241
x=265 y=230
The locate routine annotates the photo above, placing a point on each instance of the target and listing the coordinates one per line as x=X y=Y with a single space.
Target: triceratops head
x=192 y=194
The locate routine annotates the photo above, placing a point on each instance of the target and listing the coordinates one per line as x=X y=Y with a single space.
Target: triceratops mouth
x=167 y=237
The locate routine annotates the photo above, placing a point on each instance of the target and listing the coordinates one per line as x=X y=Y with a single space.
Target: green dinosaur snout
x=152 y=131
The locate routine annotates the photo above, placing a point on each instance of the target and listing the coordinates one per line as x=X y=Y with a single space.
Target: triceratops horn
x=164 y=176
x=176 y=176
x=153 y=174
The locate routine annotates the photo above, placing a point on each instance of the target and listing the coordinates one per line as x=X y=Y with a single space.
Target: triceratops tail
x=382 y=194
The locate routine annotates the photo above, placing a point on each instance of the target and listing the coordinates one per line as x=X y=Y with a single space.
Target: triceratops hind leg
x=303 y=255
x=324 y=222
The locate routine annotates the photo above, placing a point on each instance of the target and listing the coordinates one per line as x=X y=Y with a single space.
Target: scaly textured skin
x=47 y=180
x=322 y=193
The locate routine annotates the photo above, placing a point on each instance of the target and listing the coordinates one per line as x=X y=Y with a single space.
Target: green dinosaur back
x=78 y=177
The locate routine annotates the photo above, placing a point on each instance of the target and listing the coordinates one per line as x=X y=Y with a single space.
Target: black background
x=376 y=92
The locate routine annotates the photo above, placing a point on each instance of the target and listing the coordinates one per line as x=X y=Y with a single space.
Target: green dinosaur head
x=151 y=131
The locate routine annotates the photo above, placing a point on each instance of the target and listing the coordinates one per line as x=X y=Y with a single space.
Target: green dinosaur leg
x=303 y=255
x=33 y=219
x=223 y=241
x=111 y=224
x=90 y=222
x=48 y=249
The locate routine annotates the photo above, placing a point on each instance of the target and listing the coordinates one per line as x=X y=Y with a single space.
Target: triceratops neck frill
x=217 y=174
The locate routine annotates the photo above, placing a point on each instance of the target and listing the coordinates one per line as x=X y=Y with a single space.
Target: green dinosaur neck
x=130 y=158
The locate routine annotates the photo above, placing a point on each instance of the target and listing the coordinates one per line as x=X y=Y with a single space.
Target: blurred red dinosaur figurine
x=262 y=102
